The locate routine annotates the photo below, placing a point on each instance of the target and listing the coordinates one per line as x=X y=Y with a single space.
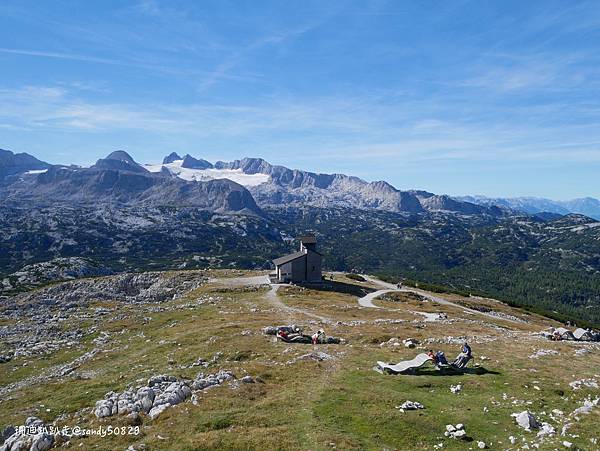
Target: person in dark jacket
x=463 y=358
x=466 y=349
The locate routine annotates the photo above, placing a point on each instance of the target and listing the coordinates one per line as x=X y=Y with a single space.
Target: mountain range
x=116 y=179
x=238 y=186
x=186 y=212
x=119 y=178
x=587 y=206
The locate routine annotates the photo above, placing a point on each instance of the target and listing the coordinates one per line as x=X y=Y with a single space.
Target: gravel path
x=367 y=301
x=271 y=295
x=274 y=300
x=389 y=287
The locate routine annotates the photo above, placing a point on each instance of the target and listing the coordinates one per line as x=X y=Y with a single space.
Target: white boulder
x=526 y=420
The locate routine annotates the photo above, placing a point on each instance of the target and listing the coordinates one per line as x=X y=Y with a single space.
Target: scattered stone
x=203 y=381
x=21 y=439
x=456 y=432
x=160 y=379
x=587 y=383
x=526 y=420
x=140 y=447
x=546 y=430
x=392 y=343
x=456 y=389
x=319 y=356
x=410 y=343
x=587 y=406
x=410 y=405
x=7 y=432
x=247 y=380
x=5 y=358
x=450 y=340
x=542 y=353
x=156 y=411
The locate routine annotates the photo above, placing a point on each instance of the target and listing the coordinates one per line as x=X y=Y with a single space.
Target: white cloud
x=324 y=128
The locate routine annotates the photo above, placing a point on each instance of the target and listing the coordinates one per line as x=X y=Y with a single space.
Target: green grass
x=340 y=403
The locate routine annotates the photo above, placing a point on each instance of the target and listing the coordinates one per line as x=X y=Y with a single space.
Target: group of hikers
x=439 y=358
x=293 y=334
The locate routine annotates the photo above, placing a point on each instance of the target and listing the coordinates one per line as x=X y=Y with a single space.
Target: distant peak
x=383 y=185
x=173 y=156
x=121 y=155
x=193 y=163
x=120 y=161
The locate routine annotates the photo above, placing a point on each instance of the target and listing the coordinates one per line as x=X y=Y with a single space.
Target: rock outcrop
x=33 y=436
x=54 y=270
x=161 y=392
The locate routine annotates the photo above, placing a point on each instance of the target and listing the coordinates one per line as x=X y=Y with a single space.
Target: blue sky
x=460 y=97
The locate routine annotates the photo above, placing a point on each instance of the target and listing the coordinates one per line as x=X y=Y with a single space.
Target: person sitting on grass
x=432 y=356
x=466 y=349
x=441 y=358
x=463 y=358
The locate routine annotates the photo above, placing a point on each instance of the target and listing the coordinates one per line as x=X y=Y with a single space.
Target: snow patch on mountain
x=203 y=175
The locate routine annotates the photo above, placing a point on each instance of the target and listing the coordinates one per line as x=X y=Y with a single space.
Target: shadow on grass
x=339 y=287
x=478 y=370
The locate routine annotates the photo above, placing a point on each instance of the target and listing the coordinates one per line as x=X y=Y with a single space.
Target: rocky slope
x=58 y=269
x=134 y=238
x=296 y=187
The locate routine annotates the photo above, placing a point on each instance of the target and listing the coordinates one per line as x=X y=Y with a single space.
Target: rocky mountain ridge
x=119 y=179
x=280 y=186
x=15 y=163
x=296 y=187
